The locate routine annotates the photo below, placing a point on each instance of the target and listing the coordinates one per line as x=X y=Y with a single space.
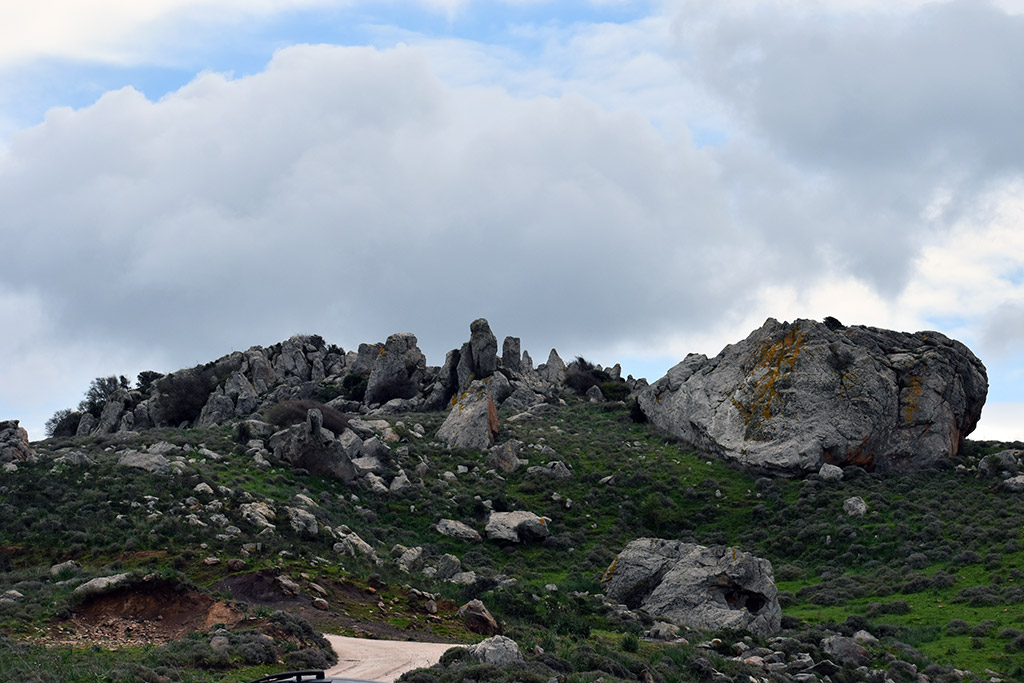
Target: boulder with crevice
x=792 y=396
x=704 y=587
x=313 y=448
x=398 y=370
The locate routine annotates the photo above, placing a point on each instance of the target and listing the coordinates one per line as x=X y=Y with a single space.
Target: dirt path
x=382 y=660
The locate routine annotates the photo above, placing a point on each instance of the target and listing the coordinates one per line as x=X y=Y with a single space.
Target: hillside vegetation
x=932 y=569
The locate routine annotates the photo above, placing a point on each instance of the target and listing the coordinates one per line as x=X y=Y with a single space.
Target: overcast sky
x=628 y=181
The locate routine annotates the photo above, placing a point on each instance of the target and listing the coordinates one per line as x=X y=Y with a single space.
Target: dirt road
x=382 y=660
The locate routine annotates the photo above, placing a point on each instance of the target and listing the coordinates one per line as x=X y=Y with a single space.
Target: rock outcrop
x=310 y=446
x=473 y=420
x=792 y=396
x=692 y=585
x=398 y=370
x=14 y=445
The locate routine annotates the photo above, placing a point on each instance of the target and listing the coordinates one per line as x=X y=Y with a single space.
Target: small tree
x=146 y=378
x=64 y=423
x=100 y=390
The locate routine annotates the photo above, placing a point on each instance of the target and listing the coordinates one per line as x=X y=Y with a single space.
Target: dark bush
x=615 y=390
x=984 y=629
x=183 y=394
x=957 y=627
x=288 y=413
x=144 y=380
x=353 y=387
x=63 y=424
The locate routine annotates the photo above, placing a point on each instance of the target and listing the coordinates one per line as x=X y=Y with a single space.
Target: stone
x=411 y=559
x=321 y=604
x=792 y=396
x=505 y=457
x=473 y=420
x=151 y=462
x=455 y=529
x=829 y=472
x=351 y=544
x=64 y=568
x=1014 y=484
x=484 y=346
x=553 y=372
x=258 y=514
x=447 y=567
x=398 y=370
x=479 y=619
x=400 y=482
x=313 y=448
x=855 y=506
x=846 y=649
x=511 y=355
x=516 y=527
x=287 y=585
x=704 y=587
x=555 y=470
x=14 y=444
x=1002 y=464
x=99 y=585
x=662 y=630
x=497 y=651
x=302 y=522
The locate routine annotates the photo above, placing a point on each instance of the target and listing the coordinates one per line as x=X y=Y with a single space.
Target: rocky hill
x=226 y=514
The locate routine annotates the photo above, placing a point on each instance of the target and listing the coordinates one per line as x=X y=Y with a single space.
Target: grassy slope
x=831 y=567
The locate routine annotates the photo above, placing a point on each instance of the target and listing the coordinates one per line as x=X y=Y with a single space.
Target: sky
x=627 y=181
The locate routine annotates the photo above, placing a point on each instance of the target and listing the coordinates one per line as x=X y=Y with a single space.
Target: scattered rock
x=151 y=462
x=855 y=506
x=505 y=457
x=479 y=619
x=497 y=650
x=829 y=472
x=455 y=529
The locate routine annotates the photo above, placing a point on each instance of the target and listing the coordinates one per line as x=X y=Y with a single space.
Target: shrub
x=353 y=387
x=100 y=390
x=630 y=643
x=957 y=627
x=63 y=424
x=145 y=380
x=615 y=390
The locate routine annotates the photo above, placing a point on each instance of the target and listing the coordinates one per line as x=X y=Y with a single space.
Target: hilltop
x=235 y=510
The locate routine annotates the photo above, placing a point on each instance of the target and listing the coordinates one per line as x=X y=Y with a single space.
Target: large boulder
x=13 y=442
x=473 y=420
x=310 y=446
x=792 y=396
x=397 y=371
x=692 y=585
x=478 y=358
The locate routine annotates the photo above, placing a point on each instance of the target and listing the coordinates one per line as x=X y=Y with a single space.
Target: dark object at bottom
x=313 y=676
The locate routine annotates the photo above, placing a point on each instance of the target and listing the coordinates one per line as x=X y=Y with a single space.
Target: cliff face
x=793 y=396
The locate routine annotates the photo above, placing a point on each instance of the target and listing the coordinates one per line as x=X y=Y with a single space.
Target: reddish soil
x=151 y=612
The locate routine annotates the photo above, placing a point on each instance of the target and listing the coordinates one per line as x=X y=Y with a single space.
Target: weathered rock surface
x=456 y=529
x=473 y=420
x=701 y=587
x=479 y=619
x=518 y=526
x=397 y=371
x=497 y=650
x=310 y=446
x=792 y=396
x=13 y=442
